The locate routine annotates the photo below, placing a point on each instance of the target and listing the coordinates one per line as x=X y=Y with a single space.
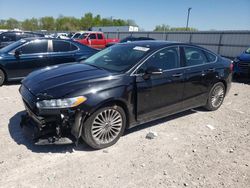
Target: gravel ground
x=193 y=149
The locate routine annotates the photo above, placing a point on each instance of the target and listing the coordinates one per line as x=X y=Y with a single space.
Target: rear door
x=196 y=70
x=160 y=95
x=61 y=52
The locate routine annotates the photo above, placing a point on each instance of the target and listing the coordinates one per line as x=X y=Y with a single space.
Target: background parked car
x=95 y=39
x=9 y=37
x=22 y=57
x=131 y=39
x=242 y=64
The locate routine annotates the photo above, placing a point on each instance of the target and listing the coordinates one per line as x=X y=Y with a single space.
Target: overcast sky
x=205 y=14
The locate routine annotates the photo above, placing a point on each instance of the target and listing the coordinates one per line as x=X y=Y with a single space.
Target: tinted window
x=83 y=36
x=36 y=46
x=99 y=36
x=92 y=36
x=165 y=59
x=210 y=57
x=76 y=35
x=63 y=46
x=194 y=56
x=8 y=37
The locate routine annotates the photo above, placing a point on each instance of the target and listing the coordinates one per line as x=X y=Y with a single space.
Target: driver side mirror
x=17 y=53
x=152 y=71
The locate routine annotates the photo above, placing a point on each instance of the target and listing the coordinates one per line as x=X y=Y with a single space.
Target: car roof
x=157 y=44
x=22 y=32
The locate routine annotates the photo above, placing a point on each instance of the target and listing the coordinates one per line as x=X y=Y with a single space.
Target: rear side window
x=211 y=57
x=36 y=46
x=194 y=56
x=63 y=46
x=99 y=36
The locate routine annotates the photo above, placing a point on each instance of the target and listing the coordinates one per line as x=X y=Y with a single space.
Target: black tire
x=93 y=127
x=216 y=97
x=2 y=77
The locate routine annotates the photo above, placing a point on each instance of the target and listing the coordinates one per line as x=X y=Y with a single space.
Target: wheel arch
x=110 y=102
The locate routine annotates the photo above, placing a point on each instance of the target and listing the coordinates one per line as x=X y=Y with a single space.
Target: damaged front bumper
x=63 y=128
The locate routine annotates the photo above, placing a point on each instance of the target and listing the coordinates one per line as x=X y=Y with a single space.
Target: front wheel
x=104 y=127
x=216 y=97
x=2 y=77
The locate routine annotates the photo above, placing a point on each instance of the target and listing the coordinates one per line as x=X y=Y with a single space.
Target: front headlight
x=61 y=103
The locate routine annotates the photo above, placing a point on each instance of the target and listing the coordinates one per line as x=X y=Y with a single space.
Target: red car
x=95 y=39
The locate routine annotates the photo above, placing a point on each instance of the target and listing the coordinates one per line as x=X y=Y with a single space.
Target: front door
x=160 y=94
x=32 y=56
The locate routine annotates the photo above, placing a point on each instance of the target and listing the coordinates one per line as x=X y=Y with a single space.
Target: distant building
x=116 y=29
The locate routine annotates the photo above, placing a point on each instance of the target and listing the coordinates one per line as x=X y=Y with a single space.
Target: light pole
x=189 y=9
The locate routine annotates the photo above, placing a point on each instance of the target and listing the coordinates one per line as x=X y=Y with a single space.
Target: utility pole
x=189 y=9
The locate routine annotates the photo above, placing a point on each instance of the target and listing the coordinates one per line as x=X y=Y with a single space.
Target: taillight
x=231 y=67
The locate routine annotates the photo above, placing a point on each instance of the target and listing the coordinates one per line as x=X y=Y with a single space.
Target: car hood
x=63 y=80
x=244 y=57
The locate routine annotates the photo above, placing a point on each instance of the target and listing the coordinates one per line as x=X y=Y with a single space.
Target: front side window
x=36 y=46
x=83 y=36
x=92 y=36
x=165 y=59
x=194 y=56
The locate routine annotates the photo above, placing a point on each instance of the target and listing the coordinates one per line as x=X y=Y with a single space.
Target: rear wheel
x=104 y=127
x=2 y=77
x=216 y=97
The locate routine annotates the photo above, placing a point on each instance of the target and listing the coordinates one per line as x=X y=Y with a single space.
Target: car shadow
x=162 y=120
x=242 y=80
x=10 y=83
x=17 y=134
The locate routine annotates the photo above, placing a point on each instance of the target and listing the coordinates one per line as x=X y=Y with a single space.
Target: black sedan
x=121 y=87
x=18 y=59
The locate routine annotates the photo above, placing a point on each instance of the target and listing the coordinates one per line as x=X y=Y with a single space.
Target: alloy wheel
x=106 y=126
x=217 y=96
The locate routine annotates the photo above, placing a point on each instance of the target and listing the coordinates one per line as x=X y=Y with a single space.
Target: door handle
x=177 y=75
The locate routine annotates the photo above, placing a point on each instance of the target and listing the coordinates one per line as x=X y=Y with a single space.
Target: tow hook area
x=44 y=135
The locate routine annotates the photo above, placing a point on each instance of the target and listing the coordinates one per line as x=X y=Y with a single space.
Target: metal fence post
x=219 y=44
x=190 y=37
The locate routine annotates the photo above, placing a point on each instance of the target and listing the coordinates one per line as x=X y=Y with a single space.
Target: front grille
x=244 y=65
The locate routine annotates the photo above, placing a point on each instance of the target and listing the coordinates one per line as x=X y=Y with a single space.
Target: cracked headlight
x=61 y=103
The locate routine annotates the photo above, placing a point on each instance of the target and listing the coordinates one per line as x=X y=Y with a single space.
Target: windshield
x=83 y=36
x=248 y=51
x=75 y=36
x=12 y=46
x=118 y=58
